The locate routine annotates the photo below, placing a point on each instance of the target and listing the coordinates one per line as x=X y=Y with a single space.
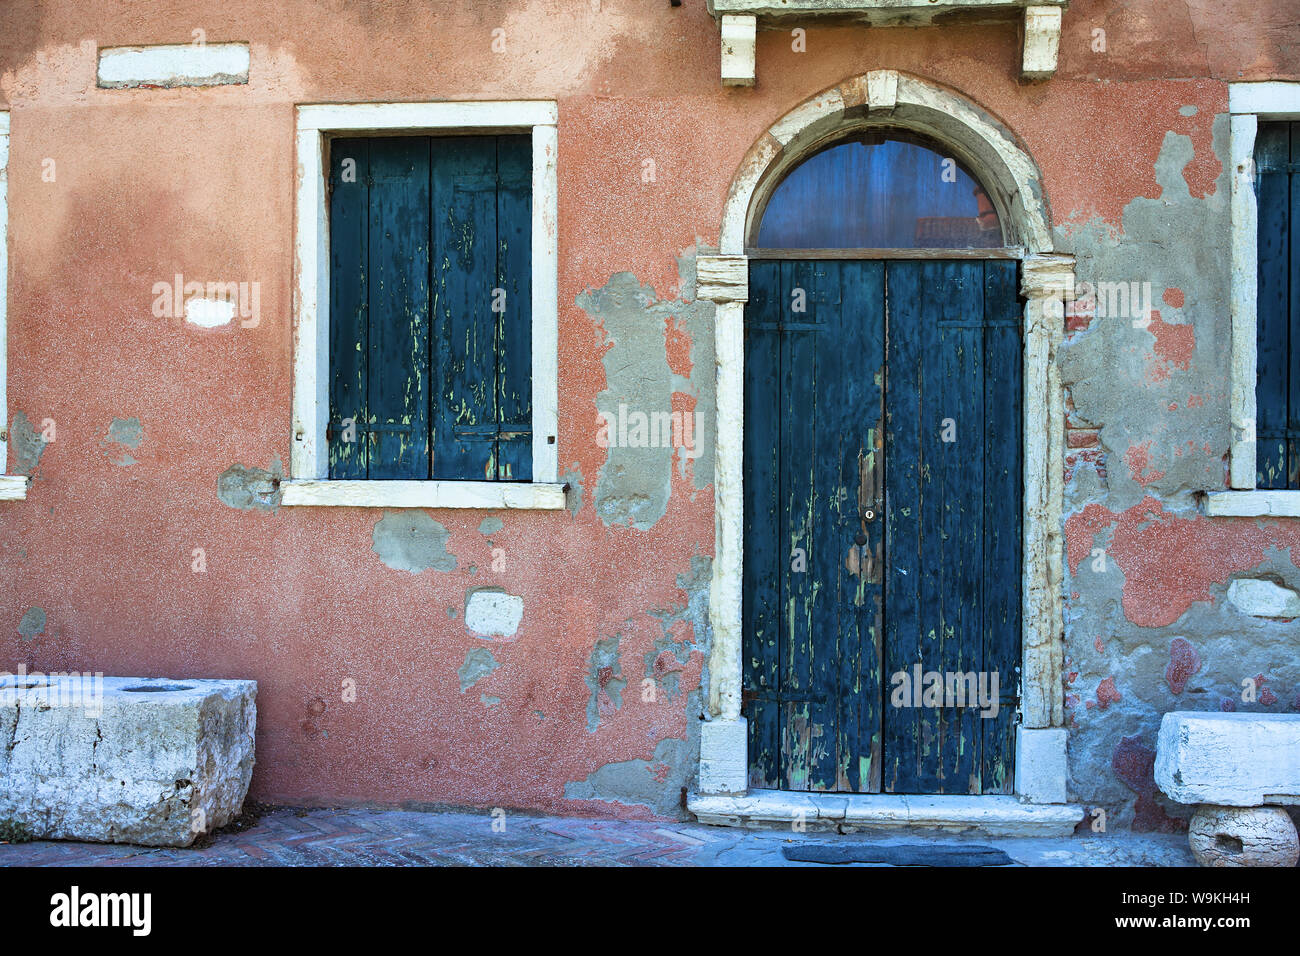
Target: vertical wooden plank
x=766 y=561
x=849 y=499
x=514 y=323
x=934 y=280
x=823 y=415
x=1003 y=496
x=349 y=218
x=1293 y=311
x=464 y=269
x=955 y=387
x=398 y=380
x=904 y=568
x=803 y=734
x=1272 y=153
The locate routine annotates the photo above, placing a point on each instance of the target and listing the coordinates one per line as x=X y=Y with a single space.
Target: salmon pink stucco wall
x=169 y=437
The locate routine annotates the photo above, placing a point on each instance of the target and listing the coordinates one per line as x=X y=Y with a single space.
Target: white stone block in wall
x=724 y=760
x=124 y=760
x=1235 y=760
x=181 y=64
x=1261 y=598
x=1041 y=764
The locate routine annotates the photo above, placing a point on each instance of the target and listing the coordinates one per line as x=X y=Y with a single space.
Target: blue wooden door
x=882 y=524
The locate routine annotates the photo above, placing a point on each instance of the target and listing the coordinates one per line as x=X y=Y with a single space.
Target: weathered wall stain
x=410 y=540
x=26 y=445
x=479 y=662
x=32 y=624
x=122 y=434
x=251 y=489
x=1134 y=764
x=604 y=679
x=1184 y=663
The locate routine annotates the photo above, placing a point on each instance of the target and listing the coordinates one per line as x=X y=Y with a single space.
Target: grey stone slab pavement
x=384 y=837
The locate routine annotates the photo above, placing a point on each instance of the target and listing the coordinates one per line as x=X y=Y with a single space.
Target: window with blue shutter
x=1277 y=393
x=430 y=308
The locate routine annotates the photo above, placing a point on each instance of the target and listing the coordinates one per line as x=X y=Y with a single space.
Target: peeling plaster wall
x=372 y=686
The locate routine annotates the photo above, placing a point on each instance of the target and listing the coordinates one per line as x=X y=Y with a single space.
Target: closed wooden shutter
x=1277 y=393
x=430 y=308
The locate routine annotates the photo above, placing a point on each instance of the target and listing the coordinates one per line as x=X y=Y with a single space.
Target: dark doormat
x=903 y=854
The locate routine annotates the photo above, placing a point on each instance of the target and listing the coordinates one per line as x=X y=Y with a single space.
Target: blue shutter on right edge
x=1278 y=381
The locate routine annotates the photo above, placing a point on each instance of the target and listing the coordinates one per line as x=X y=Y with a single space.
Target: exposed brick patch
x=1078 y=457
x=1083 y=437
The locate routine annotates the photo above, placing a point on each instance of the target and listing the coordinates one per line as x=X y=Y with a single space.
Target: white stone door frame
x=887 y=98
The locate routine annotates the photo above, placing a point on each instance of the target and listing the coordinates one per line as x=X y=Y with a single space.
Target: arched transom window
x=880 y=189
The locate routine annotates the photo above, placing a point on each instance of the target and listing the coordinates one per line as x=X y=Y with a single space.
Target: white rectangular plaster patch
x=209 y=313
x=181 y=64
x=493 y=613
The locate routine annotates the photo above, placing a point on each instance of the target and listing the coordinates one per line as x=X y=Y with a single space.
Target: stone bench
x=122 y=759
x=1239 y=769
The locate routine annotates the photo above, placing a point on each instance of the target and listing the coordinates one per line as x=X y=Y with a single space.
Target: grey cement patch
x=25 y=445
x=490 y=525
x=409 y=540
x=251 y=489
x=633 y=486
x=32 y=624
x=488 y=701
x=1116 y=378
x=479 y=662
x=123 y=433
x=655 y=783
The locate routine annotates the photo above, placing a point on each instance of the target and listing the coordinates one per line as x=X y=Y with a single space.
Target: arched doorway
x=984 y=148
x=882 y=476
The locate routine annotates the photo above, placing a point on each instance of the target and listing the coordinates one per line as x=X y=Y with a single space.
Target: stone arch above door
x=888 y=98
x=1013 y=181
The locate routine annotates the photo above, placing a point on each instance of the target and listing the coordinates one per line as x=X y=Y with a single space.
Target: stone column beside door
x=724 y=761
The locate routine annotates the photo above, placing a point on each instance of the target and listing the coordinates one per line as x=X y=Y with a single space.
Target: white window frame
x=1248 y=104
x=309 y=482
x=12 y=487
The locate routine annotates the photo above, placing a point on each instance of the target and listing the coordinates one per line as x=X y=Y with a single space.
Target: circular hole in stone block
x=156 y=688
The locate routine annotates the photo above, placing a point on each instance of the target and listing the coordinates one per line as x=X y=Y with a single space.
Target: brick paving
x=368 y=837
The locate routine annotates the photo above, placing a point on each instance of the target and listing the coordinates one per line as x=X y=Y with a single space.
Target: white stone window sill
x=1253 y=504
x=538 y=496
x=13 y=487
